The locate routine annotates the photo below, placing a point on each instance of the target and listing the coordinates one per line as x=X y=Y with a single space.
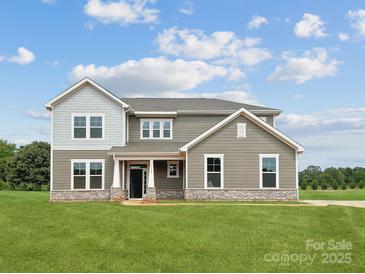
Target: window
x=88 y=126
x=96 y=175
x=96 y=127
x=156 y=129
x=166 y=129
x=79 y=172
x=146 y=129
x=79 y=127
x=269 y=170
x=213 y=175
x=87 y=174
x=241 y=130
x=173 y=169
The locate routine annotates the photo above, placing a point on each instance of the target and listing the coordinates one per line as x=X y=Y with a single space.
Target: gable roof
x=186 y=105
x=79 y=84
x=276 y=133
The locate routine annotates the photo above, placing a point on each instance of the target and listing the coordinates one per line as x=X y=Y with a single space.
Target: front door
x=136 y=179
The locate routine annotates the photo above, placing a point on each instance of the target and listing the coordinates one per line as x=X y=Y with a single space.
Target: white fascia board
x=155 y=113
x=254 y=119
x=68 y=91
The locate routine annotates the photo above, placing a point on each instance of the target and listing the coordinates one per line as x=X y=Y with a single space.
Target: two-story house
x=108 y=148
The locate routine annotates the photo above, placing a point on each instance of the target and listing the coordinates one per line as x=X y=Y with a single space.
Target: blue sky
x=304 y=57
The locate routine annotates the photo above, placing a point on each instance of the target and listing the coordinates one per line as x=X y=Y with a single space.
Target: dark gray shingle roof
x=194 y=104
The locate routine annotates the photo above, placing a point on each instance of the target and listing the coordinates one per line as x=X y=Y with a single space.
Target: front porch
x=146 y=176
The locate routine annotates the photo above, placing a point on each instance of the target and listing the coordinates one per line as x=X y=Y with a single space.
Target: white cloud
x=297 y=96
x=331 y=137
x=53 y=64
x=123 y=11
x=89 y=25
x=24 y=57
x=42 y=130
x=257 y=21
x=310 y=26
x=151 y=75
x=358 y=20
x=2 y=58
x=313 y=64
x=49 y=2
x=222 y=47
x=342 y=36
x=187 y=8
x=38 y=115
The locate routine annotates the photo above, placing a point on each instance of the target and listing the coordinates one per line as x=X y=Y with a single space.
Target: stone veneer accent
x=151 y=193
x=243 y=195
x=169 y=194
x=82 y=195
x=118 y=194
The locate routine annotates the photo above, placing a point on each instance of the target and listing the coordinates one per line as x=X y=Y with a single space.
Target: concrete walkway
x=360 y=204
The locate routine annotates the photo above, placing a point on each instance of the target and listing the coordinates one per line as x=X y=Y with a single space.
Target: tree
x=336 y=175
x=310 y=173
x=358 y=174
x=325 y=180
x=30 y=164
x=7 y=151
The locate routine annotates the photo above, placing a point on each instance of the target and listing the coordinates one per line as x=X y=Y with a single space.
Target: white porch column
x=116 y=175
x=151 y=176
x=123 y=175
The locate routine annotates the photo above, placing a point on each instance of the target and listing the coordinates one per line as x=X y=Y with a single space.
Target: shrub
x=6 y=185
x=335 y=186
x=23 y=187
x=361 y=184
x=304 y=185
x=323 y=185
x=37 y=187
x=343 y=186
x=352 y=185
x=314 y=184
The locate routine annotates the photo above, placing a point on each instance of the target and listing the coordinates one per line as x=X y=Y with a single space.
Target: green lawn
x=36 y=236
x=348 y=194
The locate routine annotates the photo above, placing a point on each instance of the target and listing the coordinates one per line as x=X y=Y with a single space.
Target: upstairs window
x=269 y=170
x=88 y=126
x=79 y=127
x=156 y=129
x=213 y=175
x=173 y=169
x=96 y=127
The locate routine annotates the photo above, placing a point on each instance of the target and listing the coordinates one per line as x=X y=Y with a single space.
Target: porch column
x=116 y=175
x=151 y=176
x=151 y=190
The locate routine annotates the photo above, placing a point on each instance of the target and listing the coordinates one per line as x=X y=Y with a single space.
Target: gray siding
x=241 y=157
x=87 y=100
x=161 y=180
x=62 y=166
x=185 y=128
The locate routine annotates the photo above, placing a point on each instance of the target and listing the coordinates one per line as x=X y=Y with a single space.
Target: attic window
x=241 y=130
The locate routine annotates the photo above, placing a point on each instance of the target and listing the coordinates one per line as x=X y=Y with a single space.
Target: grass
x=37 y=236
x=348 y=194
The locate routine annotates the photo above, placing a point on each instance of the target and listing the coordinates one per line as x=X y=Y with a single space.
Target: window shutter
x=241 y=130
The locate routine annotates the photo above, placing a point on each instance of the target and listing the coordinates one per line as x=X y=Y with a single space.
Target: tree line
x=335 y=178
x=26 y=167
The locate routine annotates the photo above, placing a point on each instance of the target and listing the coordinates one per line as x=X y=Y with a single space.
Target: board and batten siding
x=87 y=100
x=241 y=157
x=62 y=166
x=185 y=128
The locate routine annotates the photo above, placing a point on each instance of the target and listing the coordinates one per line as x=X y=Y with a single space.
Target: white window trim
x=177 y=163
x=88 y=126
x=245 y=130
x=87 y=174
x=206 y=156
x=276 y=156
x=151 y=121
